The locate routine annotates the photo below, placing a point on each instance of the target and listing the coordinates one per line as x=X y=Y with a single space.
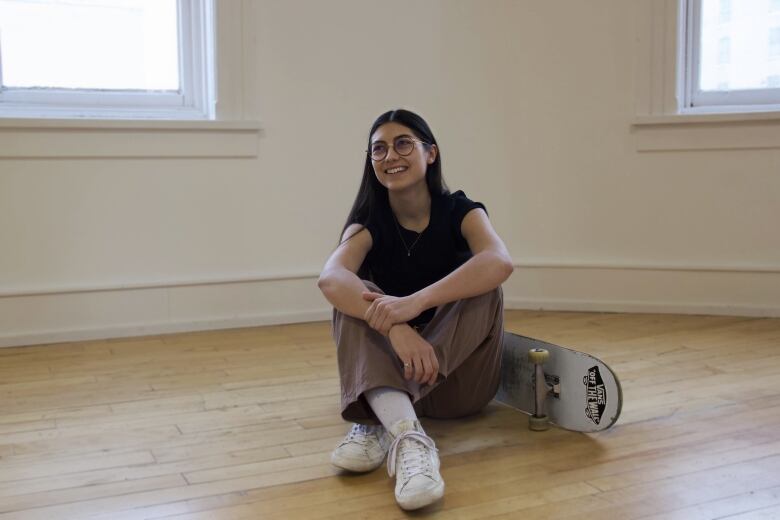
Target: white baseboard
x=639 y=307
x=88 y=313
x=40 y=315
x=149 y=329
x=684 y=289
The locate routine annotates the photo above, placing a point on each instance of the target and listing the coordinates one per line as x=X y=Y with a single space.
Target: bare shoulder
x=355 y=244
x=479 y=233
x=356 y=236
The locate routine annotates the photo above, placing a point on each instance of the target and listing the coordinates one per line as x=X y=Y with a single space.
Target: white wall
x=532 y=103
x=606 y=227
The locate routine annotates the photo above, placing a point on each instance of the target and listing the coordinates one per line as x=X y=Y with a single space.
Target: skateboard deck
x=581 y=393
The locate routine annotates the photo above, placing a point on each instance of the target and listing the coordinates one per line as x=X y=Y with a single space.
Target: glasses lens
x=404 y=146
x=378 y=151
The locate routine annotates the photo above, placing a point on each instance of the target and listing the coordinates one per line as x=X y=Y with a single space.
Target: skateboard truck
x=543 y=387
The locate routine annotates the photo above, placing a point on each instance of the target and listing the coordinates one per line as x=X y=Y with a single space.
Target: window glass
x=90 y=44
x=740 y=49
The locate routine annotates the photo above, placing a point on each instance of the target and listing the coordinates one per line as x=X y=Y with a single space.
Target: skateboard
x=558 y=385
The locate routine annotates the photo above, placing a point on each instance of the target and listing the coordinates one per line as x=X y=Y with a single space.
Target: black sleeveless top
x=440 y=249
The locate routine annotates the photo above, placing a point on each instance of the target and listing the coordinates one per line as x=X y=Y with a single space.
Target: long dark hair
x=372 y=196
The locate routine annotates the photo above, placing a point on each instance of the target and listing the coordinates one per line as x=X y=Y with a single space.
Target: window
x=730 y=64
x=724 y=14
x=774 y=42
x=724 y=51
x=136 y=59
x=774 y=5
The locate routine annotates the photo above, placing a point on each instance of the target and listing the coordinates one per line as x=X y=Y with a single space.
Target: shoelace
x=359 y=433
x=415 y=458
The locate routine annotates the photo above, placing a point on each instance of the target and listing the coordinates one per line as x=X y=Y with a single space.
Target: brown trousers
x=466 y=336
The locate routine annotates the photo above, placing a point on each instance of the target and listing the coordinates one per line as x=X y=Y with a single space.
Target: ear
x=433 y=152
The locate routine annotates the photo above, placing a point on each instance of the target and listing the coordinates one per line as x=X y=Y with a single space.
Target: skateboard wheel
x=538 y=424
x=538 y=356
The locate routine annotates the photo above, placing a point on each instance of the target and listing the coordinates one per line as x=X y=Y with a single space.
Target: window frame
x=694 y=99
x=195 y=99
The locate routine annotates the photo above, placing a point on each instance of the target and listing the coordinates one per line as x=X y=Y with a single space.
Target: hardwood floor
x=239 y=424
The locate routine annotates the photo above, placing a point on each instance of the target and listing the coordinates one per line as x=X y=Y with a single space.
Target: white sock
x=390 y=405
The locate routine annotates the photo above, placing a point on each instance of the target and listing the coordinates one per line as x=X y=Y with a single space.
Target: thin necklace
x=408 y=248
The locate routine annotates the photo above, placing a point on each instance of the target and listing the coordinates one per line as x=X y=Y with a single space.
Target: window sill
x=699 y=130
x=707 y=116
x=98 y=138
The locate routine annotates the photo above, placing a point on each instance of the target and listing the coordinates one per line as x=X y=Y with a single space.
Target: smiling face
x=398 y=172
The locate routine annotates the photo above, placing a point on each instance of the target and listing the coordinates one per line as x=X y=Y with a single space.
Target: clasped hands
x=388 y=315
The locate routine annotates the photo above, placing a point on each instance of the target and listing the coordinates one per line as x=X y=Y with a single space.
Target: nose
x=391 y=150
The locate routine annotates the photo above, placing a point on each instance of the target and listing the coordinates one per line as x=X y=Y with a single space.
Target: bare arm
x=338 y=281
x=489 y=267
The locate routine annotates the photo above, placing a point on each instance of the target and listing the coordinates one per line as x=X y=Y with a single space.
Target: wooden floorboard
x=239 y=424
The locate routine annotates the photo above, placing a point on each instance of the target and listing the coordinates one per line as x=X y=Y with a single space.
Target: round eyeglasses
x=403 y=145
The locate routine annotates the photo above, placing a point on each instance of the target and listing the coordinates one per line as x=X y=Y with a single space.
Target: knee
x=371 y=286
x=486 y=309
x=493 y=298
x=352 y=335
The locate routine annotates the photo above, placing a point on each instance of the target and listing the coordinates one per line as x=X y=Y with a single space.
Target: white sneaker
x=363 y=449
x=413 y=456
